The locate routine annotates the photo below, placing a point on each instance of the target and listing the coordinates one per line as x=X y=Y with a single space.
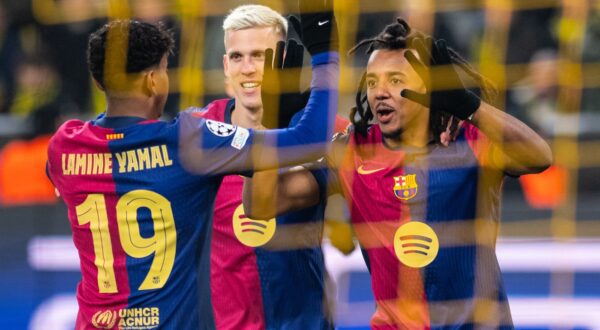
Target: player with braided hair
x=399 y=36
x=422 y=174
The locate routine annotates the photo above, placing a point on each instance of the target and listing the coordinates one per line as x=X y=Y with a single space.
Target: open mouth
x=384 y=114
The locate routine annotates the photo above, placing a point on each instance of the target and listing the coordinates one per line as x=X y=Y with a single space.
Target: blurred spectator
x=591 y=54
x=37 y=86
x=530 y=31
x=64 y=46
x=22 y=161
x=10 y=51
x=534 y=98
x=462 y=29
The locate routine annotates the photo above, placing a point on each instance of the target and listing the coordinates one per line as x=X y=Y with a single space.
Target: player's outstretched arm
x=310 y=136
x=296 y=188
x=209 y=150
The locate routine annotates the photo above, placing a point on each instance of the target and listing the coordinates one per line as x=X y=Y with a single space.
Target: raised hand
x=318 y=28
x=445 y=90
x=281 y=93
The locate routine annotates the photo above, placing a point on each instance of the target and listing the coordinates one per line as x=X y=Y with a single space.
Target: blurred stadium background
x=544 y=55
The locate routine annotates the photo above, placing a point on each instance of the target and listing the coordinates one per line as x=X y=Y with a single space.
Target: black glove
x=445 y=90
x=280 y=92
x=318 y=29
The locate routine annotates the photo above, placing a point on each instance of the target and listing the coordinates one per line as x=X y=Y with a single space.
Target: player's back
x=137 y=217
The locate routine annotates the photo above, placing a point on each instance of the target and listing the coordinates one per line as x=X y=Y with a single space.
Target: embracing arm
x=269 y=193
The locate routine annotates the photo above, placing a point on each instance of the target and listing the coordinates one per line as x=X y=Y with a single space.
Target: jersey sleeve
x=208 y=146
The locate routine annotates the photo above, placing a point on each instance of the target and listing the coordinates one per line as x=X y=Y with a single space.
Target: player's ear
x=225 y=64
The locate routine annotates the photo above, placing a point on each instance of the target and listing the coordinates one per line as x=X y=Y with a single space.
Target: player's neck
x=412 y=136
x=130 y=107
x=247 y=118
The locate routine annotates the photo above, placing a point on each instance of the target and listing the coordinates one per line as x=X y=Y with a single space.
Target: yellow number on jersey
x=162 y=244
x=93 y=211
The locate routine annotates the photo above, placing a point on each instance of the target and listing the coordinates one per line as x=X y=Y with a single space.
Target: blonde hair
x=252 y=16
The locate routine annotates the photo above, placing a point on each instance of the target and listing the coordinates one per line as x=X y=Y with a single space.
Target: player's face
x=243 y=63
x=388 y=73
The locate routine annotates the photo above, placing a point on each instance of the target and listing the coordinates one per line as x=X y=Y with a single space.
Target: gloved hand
x=445 y=90
x=317 y=27
x=280 y=92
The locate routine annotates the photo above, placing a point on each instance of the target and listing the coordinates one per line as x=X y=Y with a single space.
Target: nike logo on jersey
x=322 y=23
x=362 y=170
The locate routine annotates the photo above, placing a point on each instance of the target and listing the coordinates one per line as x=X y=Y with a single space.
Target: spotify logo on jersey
x=250 y=232
x=416 y=244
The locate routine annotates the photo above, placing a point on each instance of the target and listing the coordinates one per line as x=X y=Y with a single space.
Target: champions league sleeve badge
x=220 y=129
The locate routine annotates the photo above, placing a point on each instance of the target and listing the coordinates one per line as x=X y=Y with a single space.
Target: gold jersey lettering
x=80 y=163
x=88 y=164
x=132 y=163
x=157 y=159
x=168 y=161
x=67 y=164
x=128 y=161
x=107 y=164
x=98 y=162
x=143 y=156
x=71 y=164
x=121 y=159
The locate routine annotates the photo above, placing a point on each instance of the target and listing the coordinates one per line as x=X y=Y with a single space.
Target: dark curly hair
x=399 y=35
x=146 y=46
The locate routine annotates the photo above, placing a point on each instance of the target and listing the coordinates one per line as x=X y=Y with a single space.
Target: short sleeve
x=212 y=147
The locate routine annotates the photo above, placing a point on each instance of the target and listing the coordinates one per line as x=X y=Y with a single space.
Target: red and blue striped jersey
x=266 y=274
x=427 y=219
x=140 y=199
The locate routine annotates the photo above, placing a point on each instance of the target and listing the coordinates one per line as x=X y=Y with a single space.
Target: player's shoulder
x=342 y=137
x=341 y=124
x=72 y=125
x=215 y=110
x=70 y=128
x=339 y=145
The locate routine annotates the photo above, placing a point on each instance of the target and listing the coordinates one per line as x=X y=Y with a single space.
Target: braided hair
x=399 y=35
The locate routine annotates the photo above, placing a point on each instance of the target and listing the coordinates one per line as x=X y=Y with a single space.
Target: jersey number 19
x=162 y=244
